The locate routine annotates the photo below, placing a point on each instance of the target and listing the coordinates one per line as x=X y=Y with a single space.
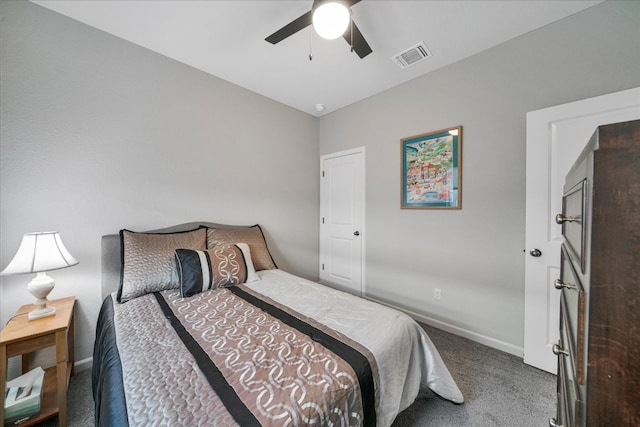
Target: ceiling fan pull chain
x=310 y=45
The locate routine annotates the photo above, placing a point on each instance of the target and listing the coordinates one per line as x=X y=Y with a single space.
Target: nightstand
x=21 y=337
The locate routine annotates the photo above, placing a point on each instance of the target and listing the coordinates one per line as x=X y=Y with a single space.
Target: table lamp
x=38 y=253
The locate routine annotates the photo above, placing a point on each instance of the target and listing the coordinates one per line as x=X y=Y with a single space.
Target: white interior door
x=342 y=220
x=555 y=138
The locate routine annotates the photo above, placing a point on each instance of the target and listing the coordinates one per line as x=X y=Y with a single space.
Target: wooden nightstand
x=21 y=337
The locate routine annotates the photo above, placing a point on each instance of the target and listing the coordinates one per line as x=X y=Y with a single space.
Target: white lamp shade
x=42 y=251
x=330 y=20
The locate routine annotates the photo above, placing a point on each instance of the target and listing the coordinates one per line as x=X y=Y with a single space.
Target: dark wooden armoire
x=599 y=347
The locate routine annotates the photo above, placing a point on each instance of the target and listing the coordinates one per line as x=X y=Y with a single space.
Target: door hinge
x=323 y=220
x=323 y=266
x=323 y=174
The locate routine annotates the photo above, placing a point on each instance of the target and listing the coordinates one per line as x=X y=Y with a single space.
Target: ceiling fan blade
x=360 y=45
x=291 y=28
x=347 y=3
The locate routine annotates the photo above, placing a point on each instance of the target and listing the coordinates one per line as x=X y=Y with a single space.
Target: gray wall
x=475 y=255
x=99 y=134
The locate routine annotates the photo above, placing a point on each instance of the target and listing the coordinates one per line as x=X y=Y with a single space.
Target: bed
x=199 y=327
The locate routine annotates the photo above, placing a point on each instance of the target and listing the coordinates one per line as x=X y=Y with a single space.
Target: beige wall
x=99 y=134
x=476 y=255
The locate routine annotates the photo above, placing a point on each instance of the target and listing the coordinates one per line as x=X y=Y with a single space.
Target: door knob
x=554 y=423
x=561 y=219
x=356 y=233
x=535 y=252
x=559 y=284
x=557 y=350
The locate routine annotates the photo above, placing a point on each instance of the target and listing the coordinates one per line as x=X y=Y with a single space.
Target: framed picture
x=432 y=170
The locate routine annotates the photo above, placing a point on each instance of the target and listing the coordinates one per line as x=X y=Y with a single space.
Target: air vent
x=412 y=55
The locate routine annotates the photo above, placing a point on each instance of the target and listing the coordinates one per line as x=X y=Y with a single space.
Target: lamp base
x=39 y=287
x=42 y=312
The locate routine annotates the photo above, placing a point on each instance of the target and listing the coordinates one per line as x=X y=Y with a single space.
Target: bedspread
x=405 y=355
x=242 y=356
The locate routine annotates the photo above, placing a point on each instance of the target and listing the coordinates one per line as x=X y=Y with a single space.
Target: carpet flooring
x=499 y=391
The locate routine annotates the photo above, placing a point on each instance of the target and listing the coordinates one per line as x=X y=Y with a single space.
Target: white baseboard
x=83 y=365
x=456 y=330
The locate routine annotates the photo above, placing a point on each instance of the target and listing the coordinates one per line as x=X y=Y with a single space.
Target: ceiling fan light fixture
x=331 y=20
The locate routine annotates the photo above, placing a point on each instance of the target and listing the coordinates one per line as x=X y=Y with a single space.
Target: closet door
x=342 y=221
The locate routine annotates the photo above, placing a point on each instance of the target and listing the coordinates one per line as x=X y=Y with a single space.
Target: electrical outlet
x=437 y=294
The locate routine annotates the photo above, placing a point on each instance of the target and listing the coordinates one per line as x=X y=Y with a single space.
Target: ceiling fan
x=351 y=34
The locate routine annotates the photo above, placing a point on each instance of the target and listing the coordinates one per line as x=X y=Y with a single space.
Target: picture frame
x=431 y=168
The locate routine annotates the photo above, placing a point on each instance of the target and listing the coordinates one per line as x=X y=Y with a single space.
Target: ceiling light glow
x=330 y=20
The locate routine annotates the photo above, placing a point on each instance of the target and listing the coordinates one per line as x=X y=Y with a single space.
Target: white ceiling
x=226 y=39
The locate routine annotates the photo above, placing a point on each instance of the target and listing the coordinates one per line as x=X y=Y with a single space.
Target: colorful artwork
x=431 y=170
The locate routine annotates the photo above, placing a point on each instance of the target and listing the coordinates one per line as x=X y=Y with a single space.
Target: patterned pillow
x=148 y=263
x=252 y=236
x=210 y=269
x=251 y=271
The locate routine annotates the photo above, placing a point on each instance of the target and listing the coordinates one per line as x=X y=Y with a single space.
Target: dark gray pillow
x=199 y=271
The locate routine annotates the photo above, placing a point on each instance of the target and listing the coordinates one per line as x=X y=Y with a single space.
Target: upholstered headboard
x=112 y=253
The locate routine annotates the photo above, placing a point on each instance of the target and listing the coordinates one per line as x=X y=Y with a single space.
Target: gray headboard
x=112 y=256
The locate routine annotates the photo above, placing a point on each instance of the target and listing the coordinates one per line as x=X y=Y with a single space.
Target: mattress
x=278 y=351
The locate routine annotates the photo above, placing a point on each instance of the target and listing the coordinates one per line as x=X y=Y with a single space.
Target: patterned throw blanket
x=232 y=356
